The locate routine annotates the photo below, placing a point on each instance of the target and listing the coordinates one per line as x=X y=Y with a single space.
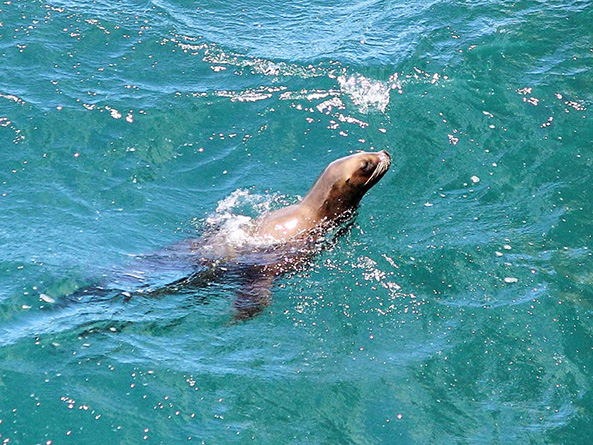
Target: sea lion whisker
x=381 y=168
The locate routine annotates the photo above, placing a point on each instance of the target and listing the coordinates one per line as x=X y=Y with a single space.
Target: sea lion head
x=364 y=169
x=345 y=181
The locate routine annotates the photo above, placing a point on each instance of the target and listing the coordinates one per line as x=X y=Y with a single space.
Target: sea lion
x=252 y=257
x=294 y=231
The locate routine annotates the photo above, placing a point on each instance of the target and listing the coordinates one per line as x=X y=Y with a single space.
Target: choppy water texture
x=457 y=309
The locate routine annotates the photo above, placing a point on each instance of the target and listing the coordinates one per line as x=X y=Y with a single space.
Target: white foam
x=368 y=94
x=231 y=225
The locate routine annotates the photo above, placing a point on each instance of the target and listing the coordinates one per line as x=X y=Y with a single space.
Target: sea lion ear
x=348 y=180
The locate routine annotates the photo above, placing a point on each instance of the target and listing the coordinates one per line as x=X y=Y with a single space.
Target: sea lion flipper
x=253 y=297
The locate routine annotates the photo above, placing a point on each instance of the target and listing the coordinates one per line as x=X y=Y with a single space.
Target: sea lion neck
x=326 y=199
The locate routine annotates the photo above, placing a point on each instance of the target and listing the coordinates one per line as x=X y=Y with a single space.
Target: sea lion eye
x=366 y=166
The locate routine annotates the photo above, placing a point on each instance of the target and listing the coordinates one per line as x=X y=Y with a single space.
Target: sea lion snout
x=384 y=158
x=382 y=161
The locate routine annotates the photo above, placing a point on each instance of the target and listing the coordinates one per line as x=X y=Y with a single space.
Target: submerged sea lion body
x=275 y=243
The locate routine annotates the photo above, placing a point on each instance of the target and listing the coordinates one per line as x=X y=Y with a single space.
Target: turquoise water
x=458 y=307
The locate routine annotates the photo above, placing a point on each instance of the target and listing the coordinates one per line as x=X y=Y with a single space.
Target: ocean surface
x=458 y=308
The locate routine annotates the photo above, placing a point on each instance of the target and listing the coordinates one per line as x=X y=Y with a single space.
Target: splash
x=368 y=94
x=240 y=201
x=234 y=218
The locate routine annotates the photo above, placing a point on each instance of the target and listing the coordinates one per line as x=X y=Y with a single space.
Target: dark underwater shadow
x=195 y=271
